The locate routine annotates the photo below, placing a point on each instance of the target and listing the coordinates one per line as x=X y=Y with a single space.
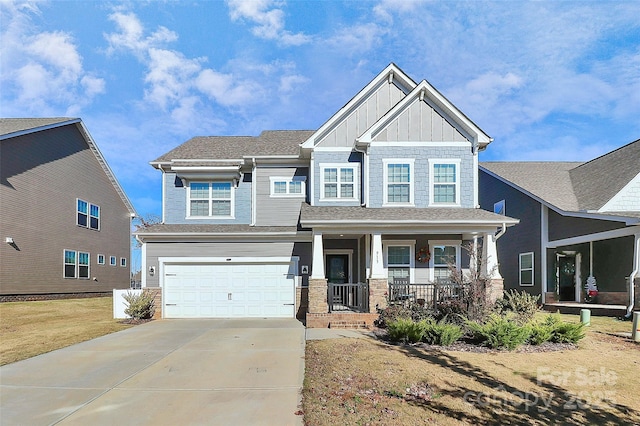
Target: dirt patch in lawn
x=31 y=328
x=369 y=381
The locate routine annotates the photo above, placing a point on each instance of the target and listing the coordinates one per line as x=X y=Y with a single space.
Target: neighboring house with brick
x=65 y=222
x=318 y=222
x=577 y=220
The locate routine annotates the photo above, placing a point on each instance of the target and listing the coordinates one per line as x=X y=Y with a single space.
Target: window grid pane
x=398 y=173
x=398 y=193
x=346 y=175
x=221 y=190
x=331 y=190
x=346 y=191
x=199 y=190
x=444 y=255
x=295 y=187
x=399 y=255
x=444 y=173
x=221 y=208
x=199 y=208
x=398 y=273
x=444 y=193
x=280 y=187
x=331 y=175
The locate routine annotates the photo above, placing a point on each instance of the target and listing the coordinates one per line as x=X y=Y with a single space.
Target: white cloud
x=42 y=71
x=268 y=20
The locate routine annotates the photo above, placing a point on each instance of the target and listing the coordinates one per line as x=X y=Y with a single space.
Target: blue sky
x=547 y=80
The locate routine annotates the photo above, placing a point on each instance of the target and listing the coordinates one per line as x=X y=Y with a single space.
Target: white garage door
x=228 y=291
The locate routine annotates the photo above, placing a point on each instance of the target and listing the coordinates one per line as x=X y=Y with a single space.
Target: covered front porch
x=362 y=259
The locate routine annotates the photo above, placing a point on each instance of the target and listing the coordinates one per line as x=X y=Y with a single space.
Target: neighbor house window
x=287 y=187
x=445 y=182
x=499 y=208
x=444 y=256
x=69 y=264
x=398 y=182
x=526 y=269
x=88 y=215
x=339 y=182
x=210 y=199
x=123 y=262
x=399 y=256
x=112 y=260
x=83 y=265
x=101 y=259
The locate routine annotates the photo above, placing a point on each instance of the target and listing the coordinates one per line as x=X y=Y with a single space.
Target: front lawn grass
x=32 y=328
x=367 y=381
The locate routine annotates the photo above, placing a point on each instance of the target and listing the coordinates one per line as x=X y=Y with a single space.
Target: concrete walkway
x=167 y=372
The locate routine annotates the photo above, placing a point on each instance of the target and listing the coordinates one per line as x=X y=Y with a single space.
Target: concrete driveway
x=166 y=372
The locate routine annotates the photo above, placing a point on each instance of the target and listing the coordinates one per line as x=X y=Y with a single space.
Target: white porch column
x=317 y=265
x=490 y=257
x=377 y=257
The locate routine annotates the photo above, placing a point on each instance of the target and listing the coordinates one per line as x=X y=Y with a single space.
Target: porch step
x=596 y=310
x=353 y=325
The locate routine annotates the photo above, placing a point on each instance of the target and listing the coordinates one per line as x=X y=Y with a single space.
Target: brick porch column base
x=318 y=296
x=378 y=289
x=157 y=300
x=495 y=290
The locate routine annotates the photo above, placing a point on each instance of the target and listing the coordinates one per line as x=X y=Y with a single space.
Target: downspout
x=501 y=231
x=636 y=271
x=254 y=192
x=364 y=178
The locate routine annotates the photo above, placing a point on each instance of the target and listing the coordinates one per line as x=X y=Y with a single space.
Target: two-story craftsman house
x=386 y=189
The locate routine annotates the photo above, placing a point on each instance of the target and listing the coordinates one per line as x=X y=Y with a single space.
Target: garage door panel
x=228 y=290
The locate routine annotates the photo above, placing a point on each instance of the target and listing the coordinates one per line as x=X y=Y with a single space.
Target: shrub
x=440 y=333
x=414 y=311
x=405 y=330
x=139 y=306
x=523 y=305
x=499 y=332
x=565 y=332
x=540 y=333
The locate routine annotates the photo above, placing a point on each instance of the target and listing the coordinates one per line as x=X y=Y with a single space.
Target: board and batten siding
x=234 y=250
x=363 y=115
x=524 y=237
x=420 y=122
x=175 y=201
x=278 y=210
x=41 y=176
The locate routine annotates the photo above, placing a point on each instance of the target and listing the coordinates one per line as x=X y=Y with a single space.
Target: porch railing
x=425 y=294
x=348 y=297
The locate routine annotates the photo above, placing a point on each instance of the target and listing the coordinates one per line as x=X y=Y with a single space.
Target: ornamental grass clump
x=139 y=306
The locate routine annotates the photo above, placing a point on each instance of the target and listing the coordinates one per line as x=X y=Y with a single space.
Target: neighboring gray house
x=386 y=189
x=576 y=220
x=65 y=222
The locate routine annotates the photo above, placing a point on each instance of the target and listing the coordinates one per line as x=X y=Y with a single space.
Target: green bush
x=540 y=333
x=440 y=333
x=565 y=332
x=523 y=306
x=139 y=306
x=499 y=332
x=405 y=330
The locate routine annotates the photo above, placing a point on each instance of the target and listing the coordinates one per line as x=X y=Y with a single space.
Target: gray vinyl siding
x=278 y=211
x=421 y=155
x=561 y=227
x=41 y=175
x=522 y=238
x=421 y=122
x=243 y=249
x=363 y=115
x=337 y=157
x=175 y=202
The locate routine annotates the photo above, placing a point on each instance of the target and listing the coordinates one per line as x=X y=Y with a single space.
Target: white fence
x=119 y=304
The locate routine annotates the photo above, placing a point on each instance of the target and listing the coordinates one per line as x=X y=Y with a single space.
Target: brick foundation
x=378 y=294
x=347 y=320
x=317 y=296
x=52 y=296
x=495 y=290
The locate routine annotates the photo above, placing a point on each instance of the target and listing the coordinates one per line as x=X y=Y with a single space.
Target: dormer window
x=210 y=199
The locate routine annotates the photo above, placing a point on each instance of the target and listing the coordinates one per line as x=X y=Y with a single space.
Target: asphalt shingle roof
x=273 y=142
x=163 y=228
x=13 y=125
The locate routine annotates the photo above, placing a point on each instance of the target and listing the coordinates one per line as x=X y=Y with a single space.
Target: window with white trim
x=526 y=269
x=399 y=259
x=210 y=199
x=444 y=176
x=339 y=182
x=445 y=255
x=101 y=259
x=87 y=214
x=398 y=181
x=123 y=262
x=288 y=187
x=70 y=264
x=112 y=260
x=83 y=265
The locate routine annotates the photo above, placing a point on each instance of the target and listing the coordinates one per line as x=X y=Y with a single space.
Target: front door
x=337 y=268
x=567 y=278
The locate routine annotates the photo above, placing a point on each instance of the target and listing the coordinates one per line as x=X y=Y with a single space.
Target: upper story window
x=288 y=187
x=210 y=199
x=339 y=182
x=88 y=215
x=445 y=182
x=499 y=207
x=398 y=182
